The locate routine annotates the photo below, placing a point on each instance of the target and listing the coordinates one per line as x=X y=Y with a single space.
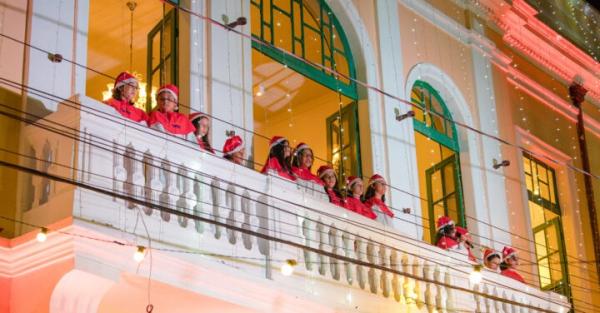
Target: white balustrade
x=174 y=173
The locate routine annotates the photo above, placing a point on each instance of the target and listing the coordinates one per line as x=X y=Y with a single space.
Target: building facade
x=493 y=144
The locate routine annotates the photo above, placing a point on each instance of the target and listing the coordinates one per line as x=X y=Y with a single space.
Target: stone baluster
x=309 y=236
x=187 y=198
x=373 y=274
x=217 y=202
x=449 y=292
x=360 y=249
x=170 y=192
x=385 y=275
x=153 y=184
x=348 y=246
x=323 y=242
x=246 y=208
x=438 y=275
x=229 y=210
x=397 y=280
x=419 y=285
x=430 y=292
x=200 y=190
x=137 y=177
x=264 y=227
x=119 y=172
x=334 y=243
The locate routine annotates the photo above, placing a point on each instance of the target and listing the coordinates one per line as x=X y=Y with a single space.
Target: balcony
x=261 y=220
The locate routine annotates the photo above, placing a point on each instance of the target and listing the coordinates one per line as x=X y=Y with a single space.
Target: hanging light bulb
x=42 y=235
x=139 y=254
x=287 y=269
x=475 y=276
x=261 y=90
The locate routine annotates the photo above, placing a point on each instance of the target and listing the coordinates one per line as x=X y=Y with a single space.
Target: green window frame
x=162 y=54
x=428 y=106
x=312 y=25
x=344 y=146
x=546 y=222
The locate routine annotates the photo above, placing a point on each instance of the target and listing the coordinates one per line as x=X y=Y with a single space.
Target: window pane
x=537 y=214
x=540 y=244
x=449 y=178
x=436 y=186
x=544 y=270
x=556 y=269
x=552 y=239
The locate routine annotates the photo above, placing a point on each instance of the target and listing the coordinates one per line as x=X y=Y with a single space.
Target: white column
x=399 y=138
x=230 y=72
x=495 y=211
x=52 y=25
x=198 y=46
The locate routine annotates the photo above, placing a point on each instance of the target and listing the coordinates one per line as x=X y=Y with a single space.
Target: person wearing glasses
x=166 y=116
x=123 y=98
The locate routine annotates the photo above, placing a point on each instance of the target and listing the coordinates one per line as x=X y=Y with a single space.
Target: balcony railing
x=127 y=158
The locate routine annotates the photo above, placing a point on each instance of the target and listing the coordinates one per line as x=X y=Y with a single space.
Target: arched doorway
x=303 y=101
x=438 y=158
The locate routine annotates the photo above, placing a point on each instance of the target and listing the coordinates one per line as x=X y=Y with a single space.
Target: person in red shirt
x=465 y=242
x=446 y=233
x=201 y=122
x=327 y=175
x=234 y=150
x=375 y=200
x=355 y=188
x=302 y=163
x=279 y=158
x=510 y=263
x=166 y=118
x=492 y=260
x=124 y=92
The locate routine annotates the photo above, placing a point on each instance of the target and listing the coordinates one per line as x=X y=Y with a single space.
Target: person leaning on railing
x=375 y=200
x=202 y=133
x=123 y=95
x=510 y=263
x=166 y=116
x=279 y=160
x=302 y=163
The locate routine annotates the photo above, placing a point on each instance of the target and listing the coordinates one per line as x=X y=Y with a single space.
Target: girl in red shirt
x=375 y=200
x=302 y=163
x=202 y=124
x=280 y=155
x=166 y=117
x=355 y=188
x=234 y=150
x=124 y=92
x=327 y=175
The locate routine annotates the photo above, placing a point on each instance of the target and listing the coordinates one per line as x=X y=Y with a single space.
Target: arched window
x=300 y=100
x=438 y=157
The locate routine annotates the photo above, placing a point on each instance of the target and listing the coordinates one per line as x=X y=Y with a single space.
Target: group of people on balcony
x=292 y=164
x=453 y=237
x=295 y=164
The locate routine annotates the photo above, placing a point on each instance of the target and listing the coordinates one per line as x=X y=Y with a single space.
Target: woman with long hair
x=279 y=160
x=355 y=188
x=327 y=175
x=446 y=233
x=166 y=116
x=374 y=200
x=123 y=95
x=202 y=124
x=302 y=162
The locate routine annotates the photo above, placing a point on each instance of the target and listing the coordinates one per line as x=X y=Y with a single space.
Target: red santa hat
x=196 y=115
x=125 y=79
x=232 y=145
x=508 y=252
x=301 y=146
x=376 y=178
x=489 y=253
x=351 y=180
x=172 y=89
x=325 y=169
x=444 y=221
x=275 y=141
